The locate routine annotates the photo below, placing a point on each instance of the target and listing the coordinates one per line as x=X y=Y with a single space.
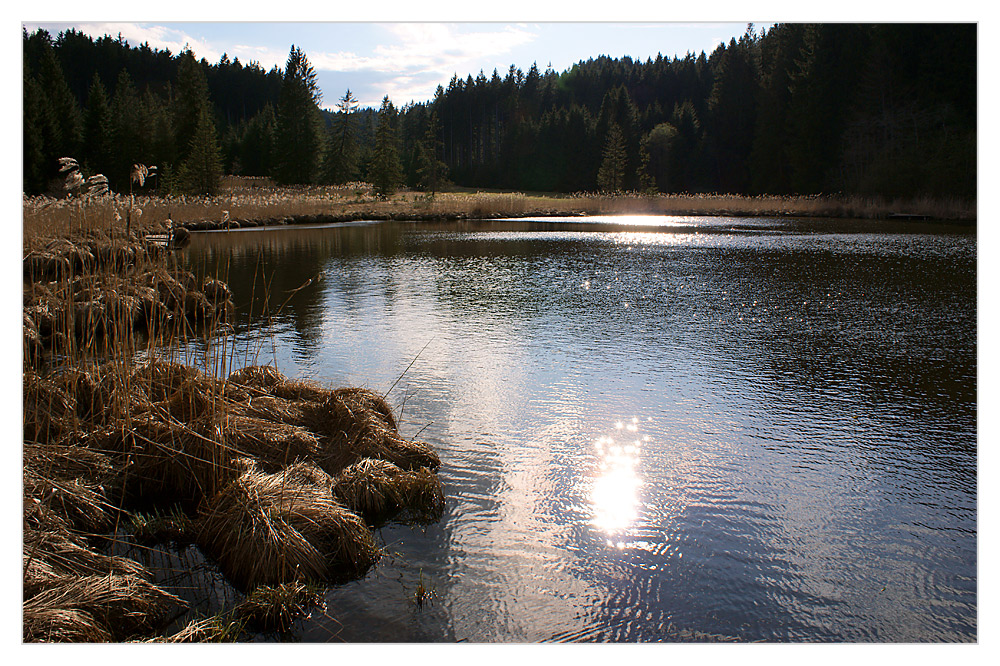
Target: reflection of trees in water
x=282 y=275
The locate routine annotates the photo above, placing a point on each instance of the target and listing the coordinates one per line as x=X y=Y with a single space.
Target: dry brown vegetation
x=253 y=202
x=125 y=449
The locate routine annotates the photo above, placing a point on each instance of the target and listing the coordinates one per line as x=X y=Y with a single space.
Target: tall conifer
x=299 y=124
x=386 y=172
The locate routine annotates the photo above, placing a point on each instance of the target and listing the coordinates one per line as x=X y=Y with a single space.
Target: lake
x=651 y=428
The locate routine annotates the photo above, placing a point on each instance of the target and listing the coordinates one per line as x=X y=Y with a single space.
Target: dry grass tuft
x=207 y=630
x=274 y=444
x=171 y=459
x=267 y=529
x=97 y=609
x=379 y=491
x=275 y=608
x=357 y=424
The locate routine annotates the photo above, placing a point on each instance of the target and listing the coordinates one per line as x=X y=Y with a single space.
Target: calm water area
x=651 y=428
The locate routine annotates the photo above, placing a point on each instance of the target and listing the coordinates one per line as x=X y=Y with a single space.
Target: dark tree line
x=885 y=109
x=854 y=108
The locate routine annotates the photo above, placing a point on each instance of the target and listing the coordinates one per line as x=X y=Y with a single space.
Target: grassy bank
x=132 y=457
x=256 y=201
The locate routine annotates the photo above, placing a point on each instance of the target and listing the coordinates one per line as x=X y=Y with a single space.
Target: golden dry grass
x=275 y=608
x=256 y=200
x=268 y=529
x=145 y=452
x=379 y=490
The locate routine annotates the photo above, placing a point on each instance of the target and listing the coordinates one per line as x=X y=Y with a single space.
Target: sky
x=408 y=60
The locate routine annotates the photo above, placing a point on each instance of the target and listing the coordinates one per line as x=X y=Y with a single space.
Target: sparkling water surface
x=651 y=429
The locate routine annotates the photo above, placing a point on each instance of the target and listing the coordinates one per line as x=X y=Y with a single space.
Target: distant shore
x=246 y=202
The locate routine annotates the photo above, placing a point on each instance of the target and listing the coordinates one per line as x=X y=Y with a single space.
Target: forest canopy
x=870 y=109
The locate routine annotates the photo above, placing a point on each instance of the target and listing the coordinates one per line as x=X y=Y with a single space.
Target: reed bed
x=122 y=453
x=255 y=202
x=830 y=206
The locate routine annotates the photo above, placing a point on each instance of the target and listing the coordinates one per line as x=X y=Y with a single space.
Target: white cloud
x=158 y=37
x=427 y=48
x=419 y=56
x=406 y=63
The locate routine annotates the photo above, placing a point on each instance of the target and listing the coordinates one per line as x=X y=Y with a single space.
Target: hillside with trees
x=869 y=109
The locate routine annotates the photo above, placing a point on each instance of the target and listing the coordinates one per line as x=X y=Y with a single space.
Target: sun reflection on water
x=615 y=493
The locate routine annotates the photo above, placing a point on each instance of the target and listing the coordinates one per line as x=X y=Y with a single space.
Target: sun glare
x=615 y=494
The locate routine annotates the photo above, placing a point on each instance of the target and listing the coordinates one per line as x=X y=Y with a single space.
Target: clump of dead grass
x=158 y=451
x=96 y=609
x=379 y=490
x=276 y=607
x=268 y=529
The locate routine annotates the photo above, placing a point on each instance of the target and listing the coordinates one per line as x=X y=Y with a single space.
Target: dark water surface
x=652 y=429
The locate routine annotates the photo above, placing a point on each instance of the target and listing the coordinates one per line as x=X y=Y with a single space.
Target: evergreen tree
x=298 y=133
x=190 y=99
x=732 y=108
x=769 y=164
x=67 y=130
x=821 y=89
x=618 y=109
x=51 y=112
x=256 y=148
x=97 y=129
x=35 y=171
x=611 y=175
x=201 y=170
x=683 y=168
x=385 y=171
x=657 y=149
x=340 y=163
x=432 y=169
x=161 y=145
x=128 y=131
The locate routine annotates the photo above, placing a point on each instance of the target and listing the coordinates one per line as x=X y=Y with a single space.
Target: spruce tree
x=298 y=133
x=190 y=98
x=656 y=152
x=34 y=168
x=256 y=151
x=432 y=169
x=340 y=163
x=201 y=170
x=65 y=112
x=611 y=175
x=97 y=131
x=128 y=131
x=386 y=172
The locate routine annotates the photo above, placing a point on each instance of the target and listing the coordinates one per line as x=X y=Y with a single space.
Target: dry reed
x=159 y=451
x=97 y=609
x=250 y=202
x=379 y=490
x=275 y=608
x=268 y=529
x=217 y=629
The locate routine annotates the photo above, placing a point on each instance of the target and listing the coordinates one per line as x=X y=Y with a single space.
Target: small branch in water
x=407 y=369
x=422 y=429
x=298 y=289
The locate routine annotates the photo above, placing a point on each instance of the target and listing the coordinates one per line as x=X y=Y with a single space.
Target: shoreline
x=281 y=484
x=322 y=219
x=244 y=204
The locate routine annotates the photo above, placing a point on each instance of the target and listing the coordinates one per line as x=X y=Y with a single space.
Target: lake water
x=651 y=428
